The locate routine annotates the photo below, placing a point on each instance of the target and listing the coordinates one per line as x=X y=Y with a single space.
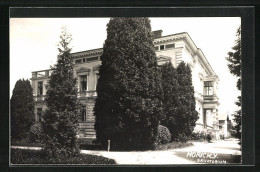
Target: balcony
x=210 y=98
x=39 y=98
x=89 y=94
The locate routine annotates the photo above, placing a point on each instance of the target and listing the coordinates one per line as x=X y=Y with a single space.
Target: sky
x=33 y=44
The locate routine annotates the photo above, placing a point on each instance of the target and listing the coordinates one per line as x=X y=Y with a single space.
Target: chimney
x=156 y=34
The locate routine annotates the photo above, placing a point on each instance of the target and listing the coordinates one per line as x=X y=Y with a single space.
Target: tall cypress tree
x=186 y=114
x=128 y=103
x=171 y=102
x=22 y=109
x=61 y=116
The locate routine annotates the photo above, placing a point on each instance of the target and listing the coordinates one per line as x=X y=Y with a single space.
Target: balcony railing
x=91 y=93
x=208 y=97
x=39 y=98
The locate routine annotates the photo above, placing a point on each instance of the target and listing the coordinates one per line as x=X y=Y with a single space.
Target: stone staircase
x=86 y=128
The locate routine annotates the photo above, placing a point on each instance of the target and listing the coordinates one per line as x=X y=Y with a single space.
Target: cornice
x=83 y=69
x=96 y=68
x=203 y=60
x=190 y=46
x=169 y=38
x=87 y=53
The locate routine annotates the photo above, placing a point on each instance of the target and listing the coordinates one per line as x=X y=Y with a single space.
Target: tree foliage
x=61 y=116
x=128 y=105
x=171 y=88
x=178 y=102
x=187 y=114
x=234 y=65
x=234 y=59
x=22 y=109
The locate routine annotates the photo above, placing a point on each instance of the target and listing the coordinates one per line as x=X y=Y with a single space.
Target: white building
x=175 y=48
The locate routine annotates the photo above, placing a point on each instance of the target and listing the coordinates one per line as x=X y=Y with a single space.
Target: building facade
x=175 y=48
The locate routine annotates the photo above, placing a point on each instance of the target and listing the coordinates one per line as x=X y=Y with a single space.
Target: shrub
x=198 y=136
x=22 y=109
x=164 y=135
x=35 y=133
x=222 y=137
x=208 y=137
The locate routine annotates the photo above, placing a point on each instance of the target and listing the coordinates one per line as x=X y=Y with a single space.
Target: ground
x=221 y=152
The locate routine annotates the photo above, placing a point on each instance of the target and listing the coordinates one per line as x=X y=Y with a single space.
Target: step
x=90 y=133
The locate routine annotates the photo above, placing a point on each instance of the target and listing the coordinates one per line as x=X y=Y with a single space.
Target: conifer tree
x=171 y=102
x=61 y=116
x=22 y=109
x=128 y=104
x=186 y=114
x=234 y=65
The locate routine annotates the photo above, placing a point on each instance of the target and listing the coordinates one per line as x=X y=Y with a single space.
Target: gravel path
x=142 y=158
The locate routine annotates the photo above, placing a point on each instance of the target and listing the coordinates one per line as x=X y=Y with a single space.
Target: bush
x=222 y=137
x=164 y=135
x=35 y=133
x=23 y=156
x=198 y=136
x=208 y=137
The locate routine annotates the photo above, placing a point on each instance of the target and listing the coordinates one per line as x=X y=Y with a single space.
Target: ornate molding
x=96 y=68
x=83 y=70
x=162 y=58
x=87 y=53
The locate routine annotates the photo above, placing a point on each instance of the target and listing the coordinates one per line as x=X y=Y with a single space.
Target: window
x=161 y=47
x=208 y=87
x=78 y=61
x=84 y=60
x=83 y=82
x=39 y=115
x=169 y=46
x=83 y=114
x=92 y=59
x=40 y=88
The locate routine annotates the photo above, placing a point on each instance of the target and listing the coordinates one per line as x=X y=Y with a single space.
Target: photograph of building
x=190 y=126
x=175 y=48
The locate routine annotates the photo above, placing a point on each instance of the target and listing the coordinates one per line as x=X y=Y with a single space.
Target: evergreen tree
x=234 y=65
x=61 y=116
x=186 y=114
x=22 y=109
x=128 y=104
x=171 y=103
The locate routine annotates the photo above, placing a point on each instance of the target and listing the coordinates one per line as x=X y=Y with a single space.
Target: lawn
x=173 y=145
x=23 y=156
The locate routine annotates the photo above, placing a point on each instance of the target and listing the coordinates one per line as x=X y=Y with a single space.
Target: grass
x=24 y=142
x=23 y=156
x=89 y=144
x=173 y=145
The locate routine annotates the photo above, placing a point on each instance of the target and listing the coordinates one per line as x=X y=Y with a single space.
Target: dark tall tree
x=61 y=116
x=171 y=102
x=186 y=113
x=22 y=109
x=128 y=104
x=234 y=65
